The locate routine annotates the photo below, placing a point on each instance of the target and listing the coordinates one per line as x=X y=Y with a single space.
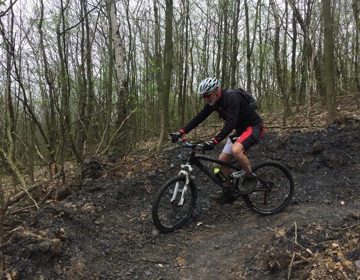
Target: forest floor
x=105 y=230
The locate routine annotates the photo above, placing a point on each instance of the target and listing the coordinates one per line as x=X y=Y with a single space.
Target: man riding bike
x=239 y=117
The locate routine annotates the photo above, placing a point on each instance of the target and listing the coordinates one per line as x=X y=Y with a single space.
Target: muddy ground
x=105 y=230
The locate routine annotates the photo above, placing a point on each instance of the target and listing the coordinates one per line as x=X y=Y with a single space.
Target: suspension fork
x=185 y=170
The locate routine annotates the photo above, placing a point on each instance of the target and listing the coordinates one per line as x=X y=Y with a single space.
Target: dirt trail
x=105 y=230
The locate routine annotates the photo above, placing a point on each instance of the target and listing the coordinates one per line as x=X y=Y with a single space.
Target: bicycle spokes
x=275 y=192
x=174 y=204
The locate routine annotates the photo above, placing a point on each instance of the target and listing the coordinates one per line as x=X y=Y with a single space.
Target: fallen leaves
x=317 y=251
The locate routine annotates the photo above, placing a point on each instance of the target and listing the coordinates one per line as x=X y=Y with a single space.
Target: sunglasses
x=207 y=95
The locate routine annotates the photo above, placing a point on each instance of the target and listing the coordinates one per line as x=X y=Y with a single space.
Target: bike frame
x=196 y=160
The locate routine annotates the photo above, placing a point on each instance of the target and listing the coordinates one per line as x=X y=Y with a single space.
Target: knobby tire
x=169 y=216
x=274 y=196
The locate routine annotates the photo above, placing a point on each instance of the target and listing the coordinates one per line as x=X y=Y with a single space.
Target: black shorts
x=251 y=136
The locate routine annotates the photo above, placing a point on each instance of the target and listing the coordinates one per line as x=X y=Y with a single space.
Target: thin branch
x=81 y=20
x=291 y=265
x=114 y=135
x=3 y=13
x=302 y=247
x=343 y=228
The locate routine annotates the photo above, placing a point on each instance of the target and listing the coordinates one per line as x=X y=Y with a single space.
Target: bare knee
x=238 y=150
x=239 y=154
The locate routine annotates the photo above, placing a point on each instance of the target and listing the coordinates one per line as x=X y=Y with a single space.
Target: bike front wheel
x=274 y=190
x=174 y=204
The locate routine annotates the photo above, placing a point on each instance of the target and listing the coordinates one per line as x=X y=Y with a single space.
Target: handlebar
x=182 y=141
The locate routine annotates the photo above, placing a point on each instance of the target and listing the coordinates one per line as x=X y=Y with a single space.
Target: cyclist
x=239 y=117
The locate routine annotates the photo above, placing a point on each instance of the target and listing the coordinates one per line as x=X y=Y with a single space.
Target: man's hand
x=175 y=136
x=209 y=145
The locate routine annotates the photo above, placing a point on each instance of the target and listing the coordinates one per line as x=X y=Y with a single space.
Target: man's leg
x=247 y=139
x=238 y=153
x=226 y=170
x=225 y=156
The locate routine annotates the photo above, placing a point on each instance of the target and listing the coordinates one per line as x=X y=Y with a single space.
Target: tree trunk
x=329 y=67
x=90 y=95
x=184 y=78
x=279 y=64
x=119 y=68
x=64 y=88
x=168 y=61
x=293 y=58
x=51 y=121
x=9 y=46
x=250 y=45
x=235 y=46
x=158 y=72
x=356 y=11
x=225 y=45
x=306 y=53
x=108 y=80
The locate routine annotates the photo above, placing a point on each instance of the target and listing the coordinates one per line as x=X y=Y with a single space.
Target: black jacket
x=231 y=107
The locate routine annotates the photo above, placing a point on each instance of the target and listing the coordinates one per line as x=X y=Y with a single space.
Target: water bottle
x=219 y=175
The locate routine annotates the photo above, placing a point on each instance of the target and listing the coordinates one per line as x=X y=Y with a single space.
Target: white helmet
x=208 y=85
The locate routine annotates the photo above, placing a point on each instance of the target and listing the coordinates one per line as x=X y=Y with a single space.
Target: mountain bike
x=176 y=199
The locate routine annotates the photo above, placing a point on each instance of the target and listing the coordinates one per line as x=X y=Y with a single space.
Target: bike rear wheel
x=274 y=190
x=169 y=213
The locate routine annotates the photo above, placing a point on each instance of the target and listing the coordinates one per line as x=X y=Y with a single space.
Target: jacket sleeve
x=198 y=119
x=232 y=105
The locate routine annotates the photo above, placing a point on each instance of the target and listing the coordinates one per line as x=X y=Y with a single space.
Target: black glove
x=209 y=145
x=176 y=136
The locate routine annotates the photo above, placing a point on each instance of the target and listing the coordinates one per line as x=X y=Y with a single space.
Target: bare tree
x=329 y=68
x=250 y=41
x=235 y=45
x=50 y=81
x=119 y=65
x=166 y=74
x=356 y=11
